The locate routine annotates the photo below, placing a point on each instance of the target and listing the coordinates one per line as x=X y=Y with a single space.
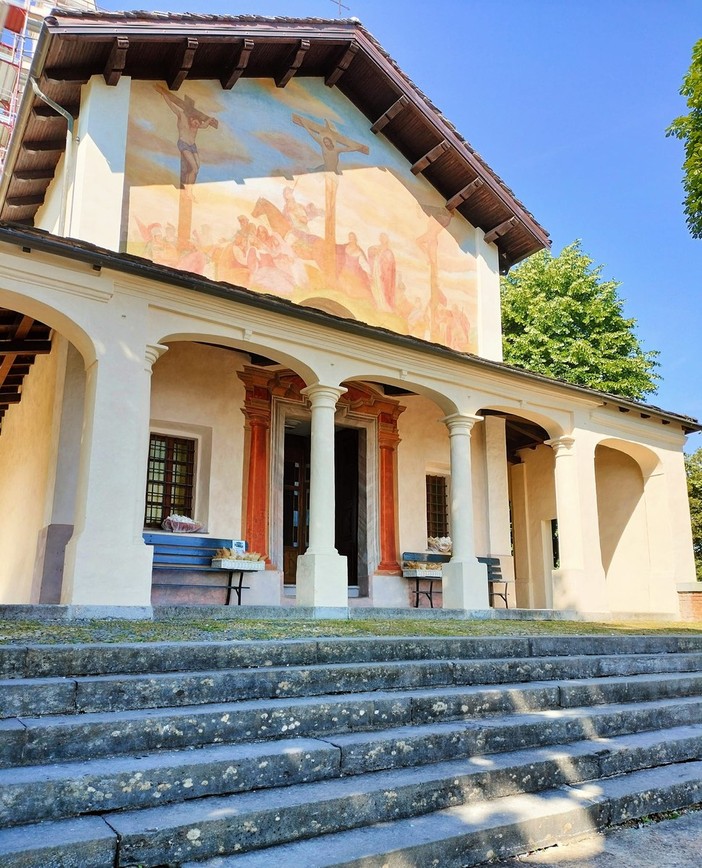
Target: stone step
x=207 y=826
x=49 y=792
x=264 y=819
x=31 y=741
x=478 y=832
x=33 y=793
x=87 y=842
x=20 y=697
x=41 y=661
x=419 y=744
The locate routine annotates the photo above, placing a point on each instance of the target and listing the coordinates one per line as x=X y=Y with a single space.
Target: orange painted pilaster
x=257 y=411
x=388 y=440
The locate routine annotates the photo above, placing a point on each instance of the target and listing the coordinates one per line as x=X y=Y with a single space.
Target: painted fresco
x=287 y=191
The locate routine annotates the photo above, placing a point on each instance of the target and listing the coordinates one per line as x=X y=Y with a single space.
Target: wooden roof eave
x=23 y=116
x=525 y=236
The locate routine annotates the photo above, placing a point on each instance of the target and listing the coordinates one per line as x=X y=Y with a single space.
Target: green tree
x=560 y=318
x=693 y=468
x=688 y=128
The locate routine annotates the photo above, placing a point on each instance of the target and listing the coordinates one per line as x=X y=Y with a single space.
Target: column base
x=322 y=580
x=579 y=590
x=98 y=573
x=464 y=585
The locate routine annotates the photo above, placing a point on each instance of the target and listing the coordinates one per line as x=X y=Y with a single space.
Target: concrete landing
x=667 y=844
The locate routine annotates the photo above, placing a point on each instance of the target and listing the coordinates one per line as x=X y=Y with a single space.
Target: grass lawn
x=18 y=632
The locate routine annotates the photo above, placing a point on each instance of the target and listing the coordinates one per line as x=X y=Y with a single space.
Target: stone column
x=257 y=411
x=579 y=582
x=388 y=440
x=107 y=562
x=322 y=579
x=464 y=579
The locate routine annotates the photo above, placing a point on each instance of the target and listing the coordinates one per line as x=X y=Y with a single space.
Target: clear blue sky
x=568 y=102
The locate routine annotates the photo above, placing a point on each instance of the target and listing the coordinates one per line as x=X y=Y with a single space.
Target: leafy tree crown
x=688 y=128
x=560 y=318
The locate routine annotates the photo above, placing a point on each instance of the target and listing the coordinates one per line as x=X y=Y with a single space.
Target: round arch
x=246 y=346
x=54 y=318
x=444 y=402
x=646 y=458
x=550 y=426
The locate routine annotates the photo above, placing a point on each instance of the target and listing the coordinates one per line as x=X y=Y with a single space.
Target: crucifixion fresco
x=295 y=196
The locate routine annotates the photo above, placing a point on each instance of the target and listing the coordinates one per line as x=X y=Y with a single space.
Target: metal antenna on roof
x=340 y=6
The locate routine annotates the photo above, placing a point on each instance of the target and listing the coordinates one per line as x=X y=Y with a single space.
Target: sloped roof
x=172 y=47
x=29 y=239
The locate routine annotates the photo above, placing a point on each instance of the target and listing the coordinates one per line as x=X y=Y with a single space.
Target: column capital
x=320 y=395
x=562 y=445
x=152 y=354
x=461 y=423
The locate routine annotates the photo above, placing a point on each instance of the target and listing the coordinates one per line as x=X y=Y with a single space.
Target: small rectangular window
x=170 y=479
x=437 y=506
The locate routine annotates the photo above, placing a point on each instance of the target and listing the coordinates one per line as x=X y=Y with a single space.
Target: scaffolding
x=20 y=24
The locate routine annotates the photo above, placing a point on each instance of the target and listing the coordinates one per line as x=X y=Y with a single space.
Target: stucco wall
x=623 y=533
x=533 y=507
x=196 y=393
x=26 y=473
x=424 y=450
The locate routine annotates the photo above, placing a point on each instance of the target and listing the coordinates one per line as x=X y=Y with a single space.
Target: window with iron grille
x=170 y=478
x=437 y=506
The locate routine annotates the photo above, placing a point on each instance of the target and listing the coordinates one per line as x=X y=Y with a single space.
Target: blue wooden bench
x=194 y=553
x=494 y=576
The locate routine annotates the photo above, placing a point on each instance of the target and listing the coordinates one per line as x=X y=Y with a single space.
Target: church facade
x=250 y=275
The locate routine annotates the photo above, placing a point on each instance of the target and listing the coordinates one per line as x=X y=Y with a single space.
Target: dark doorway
x=296 y=481
x=346 y=508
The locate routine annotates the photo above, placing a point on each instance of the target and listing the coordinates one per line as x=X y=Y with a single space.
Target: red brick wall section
x=690 y=605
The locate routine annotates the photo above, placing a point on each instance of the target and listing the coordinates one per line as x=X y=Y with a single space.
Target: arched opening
x=516 y=517
x=217 y=453
x=42 y=392
x=403 y=478
x=624 y=523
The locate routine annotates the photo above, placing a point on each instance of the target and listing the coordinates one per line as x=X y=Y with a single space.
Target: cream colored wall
x=489 y=308
x=196 y=392
x=27 y=452
x=424 y=450
x=533 y=507
x=623 y=532
x=48 y=217
x=117 y=321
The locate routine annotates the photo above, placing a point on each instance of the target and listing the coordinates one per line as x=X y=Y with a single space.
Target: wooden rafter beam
x=394 y=110
x=183 y=63
x=44 y=147
x=46 y=113
x=24 y=202
x=294 y=63
x=464 y=194
x=116 y=61
x=430 y=157
x=343 y=64
x=500 y=230
x=34 y=174
x=23 y=347
x=8 y=358
x=237 y=69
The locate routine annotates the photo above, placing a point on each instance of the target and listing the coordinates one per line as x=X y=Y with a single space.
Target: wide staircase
x=339 y=752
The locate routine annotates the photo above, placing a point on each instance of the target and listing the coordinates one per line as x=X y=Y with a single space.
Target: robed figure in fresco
x=332 y=144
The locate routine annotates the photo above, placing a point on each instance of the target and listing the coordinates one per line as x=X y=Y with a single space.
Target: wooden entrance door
x=296 y=500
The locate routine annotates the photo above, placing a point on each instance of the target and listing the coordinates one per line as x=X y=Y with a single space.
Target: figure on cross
x=189 y=121
x=331 y=141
